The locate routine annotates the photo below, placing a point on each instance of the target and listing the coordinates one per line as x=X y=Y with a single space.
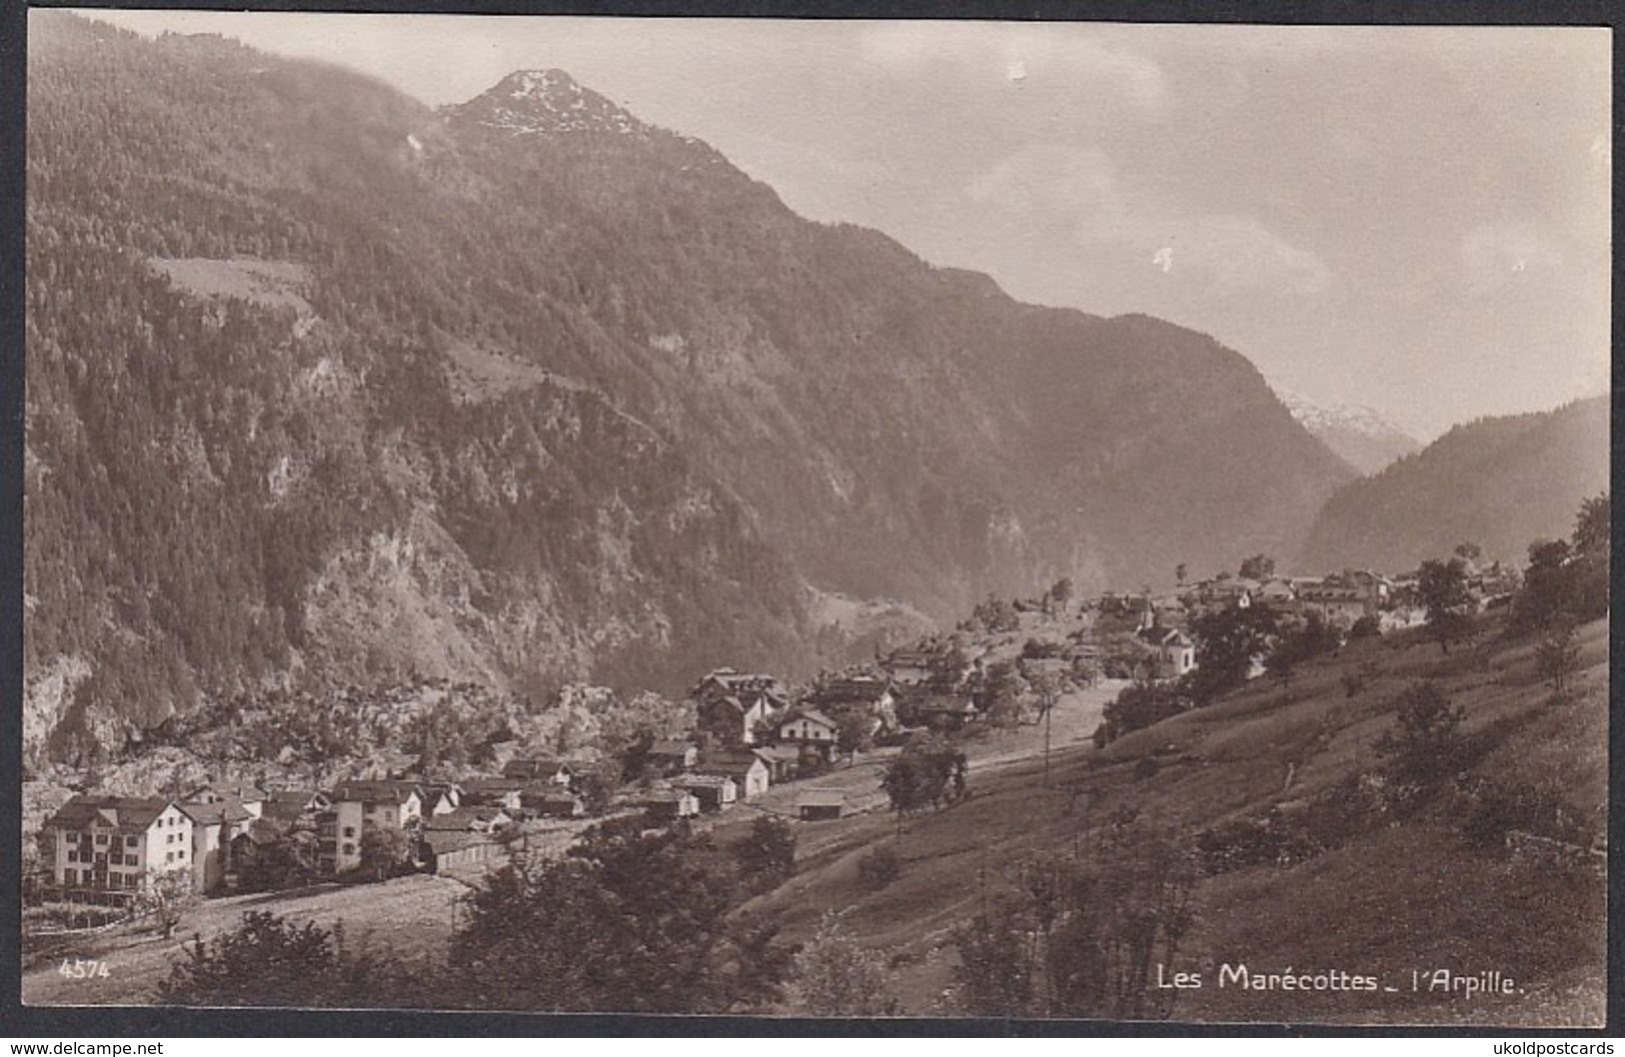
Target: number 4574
x=80 y=969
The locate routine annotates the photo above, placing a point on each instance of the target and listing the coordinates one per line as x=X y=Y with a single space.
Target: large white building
x=104 y=849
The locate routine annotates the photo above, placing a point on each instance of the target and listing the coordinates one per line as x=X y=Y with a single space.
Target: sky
x=1415 y=219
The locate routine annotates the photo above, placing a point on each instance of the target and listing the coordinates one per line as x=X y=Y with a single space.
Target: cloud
x=1025 y=54
x=1079 y=189
x=1498 y=254
x=1051 y=181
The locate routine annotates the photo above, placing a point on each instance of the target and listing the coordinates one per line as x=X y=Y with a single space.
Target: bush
x=1367 y=627
x=767 y=855
x=835 y=976
x=1499 y=808
x=879 y=867
x=268 y=961
x=1264 y=840
x=1424 y=745
x=1146 y=769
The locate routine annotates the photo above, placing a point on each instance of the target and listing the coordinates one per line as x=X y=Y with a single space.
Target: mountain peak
x=547 y=102
x=1358 y=434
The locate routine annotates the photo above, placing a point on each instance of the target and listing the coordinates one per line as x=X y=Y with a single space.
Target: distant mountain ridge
x=1356 y=434
x=328 y=387
x=1497 y=482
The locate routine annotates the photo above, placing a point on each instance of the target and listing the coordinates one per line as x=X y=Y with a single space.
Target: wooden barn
x=817 y=805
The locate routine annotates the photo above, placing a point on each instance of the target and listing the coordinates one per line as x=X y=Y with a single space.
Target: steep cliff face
x=325 y=386
x=1497 y=482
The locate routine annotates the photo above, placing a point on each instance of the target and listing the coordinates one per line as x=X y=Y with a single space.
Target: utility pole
x=1047 y=713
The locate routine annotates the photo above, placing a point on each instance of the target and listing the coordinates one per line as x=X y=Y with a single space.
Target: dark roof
x=262 y=831
x=460 y=818
x=287 y=804
x=442 y=841
x=841 y=691
x=665 y=796
x=671 y=747
x=732 y=764
x=127 y=812
x=487 y=786
x=749 y=682
x=811 y=714
x=229 y=809
x=821 y=798
x=704 y=781
x=242 y=791
x=942 y=703
x=430 y=792
x=553 y=798
x=774 y=753
x=382 y=790
x=532 y=767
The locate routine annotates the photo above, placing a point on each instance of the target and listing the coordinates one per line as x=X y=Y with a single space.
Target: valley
x=498 y=555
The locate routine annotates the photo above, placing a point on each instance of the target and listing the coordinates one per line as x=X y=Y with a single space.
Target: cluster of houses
x=106 y=849
x=1340 y=599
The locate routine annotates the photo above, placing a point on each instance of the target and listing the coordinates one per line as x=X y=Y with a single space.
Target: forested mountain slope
x=1497 y=482
x=325 y=386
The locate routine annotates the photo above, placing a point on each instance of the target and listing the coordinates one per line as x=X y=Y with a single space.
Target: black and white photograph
x=817 y=518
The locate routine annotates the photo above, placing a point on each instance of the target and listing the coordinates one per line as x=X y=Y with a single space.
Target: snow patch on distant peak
x=1316 y=415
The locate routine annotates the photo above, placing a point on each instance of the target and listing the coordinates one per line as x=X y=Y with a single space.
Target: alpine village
x=385 y=648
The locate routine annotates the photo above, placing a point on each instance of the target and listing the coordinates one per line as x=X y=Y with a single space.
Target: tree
x=927 y=771
x=384 y=851
x=167 y=896
x=994 y=977
x=1442 y=587
x=835 y=976
x=995 y=614
x=1082 y=935
x=1046 y=687
x=1469 y=552
x=767 y=855
x=267 y=961
x=1424 y=745
x=1592 y=547
x=1548 y=585
x=1313 y=638
x=854 y=732
x=1593 y=527
x=594 y=789
x=1227 y=640
x=637 y=923
x=998 y=694
x=1558 y=654
x=1139 y=706
x=1180 y=573
x=35 y=876
x=285 y=862
x=1258 y=567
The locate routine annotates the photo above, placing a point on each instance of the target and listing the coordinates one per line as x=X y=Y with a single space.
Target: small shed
x=669 y=756
x=443 y=850
x=816 y=805
x=557 y=805
x=782 y=761
x=715 y=792
x=671 y=804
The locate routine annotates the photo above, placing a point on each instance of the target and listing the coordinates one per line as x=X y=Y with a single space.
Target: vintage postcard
x=817 y=518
